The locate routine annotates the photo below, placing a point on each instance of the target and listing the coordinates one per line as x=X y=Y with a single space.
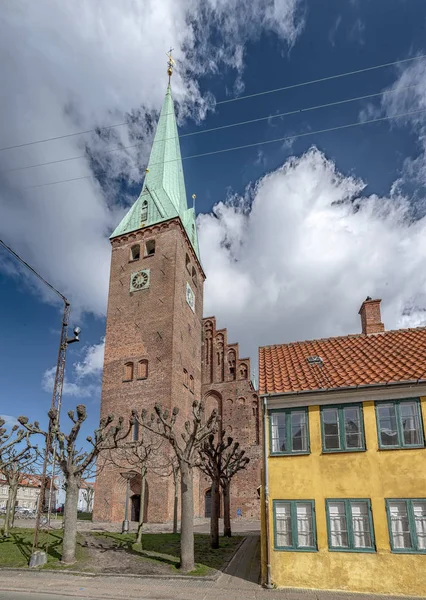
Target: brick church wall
x=226 y=385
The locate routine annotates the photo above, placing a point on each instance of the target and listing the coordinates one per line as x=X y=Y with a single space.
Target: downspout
x=268 y=583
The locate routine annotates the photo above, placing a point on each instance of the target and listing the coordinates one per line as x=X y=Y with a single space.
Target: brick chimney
x=370 y=316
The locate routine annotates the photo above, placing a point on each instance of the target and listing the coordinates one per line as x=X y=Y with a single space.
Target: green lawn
x=161 y=548
x=15 y=551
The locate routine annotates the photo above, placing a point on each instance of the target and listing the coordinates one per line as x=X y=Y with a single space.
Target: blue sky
x=286 y=243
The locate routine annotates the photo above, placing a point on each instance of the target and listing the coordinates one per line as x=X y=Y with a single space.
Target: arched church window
x=135 y=432
x=231 y=364
x=243 y=371
x=144 y=211
x=128 y=371
x=143 y=369
x=135 y=252
x=150 y=248
x=194 y=276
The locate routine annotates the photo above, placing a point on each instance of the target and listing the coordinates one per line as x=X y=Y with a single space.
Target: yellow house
x=344 y=502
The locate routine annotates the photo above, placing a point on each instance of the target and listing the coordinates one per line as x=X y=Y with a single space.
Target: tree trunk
x=141 y=507
x=226 y=510
x=13 y=494
x=70 y=521
x=176 y=500
x=187 y=559
x=7 y=516
x=214 y=518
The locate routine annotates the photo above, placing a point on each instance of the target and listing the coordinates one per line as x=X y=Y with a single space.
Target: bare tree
x=185 y=444
x=16 y=438
x=234 y=460
x=16 y=465
x=220 y=460
x=74 y=462
x=136 y=455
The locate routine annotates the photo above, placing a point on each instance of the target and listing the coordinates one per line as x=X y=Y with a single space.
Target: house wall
x=375 y=474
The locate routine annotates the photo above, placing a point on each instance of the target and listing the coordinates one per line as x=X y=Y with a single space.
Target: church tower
x=154 y=318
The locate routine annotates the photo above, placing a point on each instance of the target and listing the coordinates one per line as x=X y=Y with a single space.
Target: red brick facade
x=227 y=386
x=154 y=352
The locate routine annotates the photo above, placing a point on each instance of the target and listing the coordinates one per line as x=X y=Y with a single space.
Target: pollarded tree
x=234 y=460
x=185 y=443
x=219 y=459
x=74 y=462
x=15 y=466
x=16 y=438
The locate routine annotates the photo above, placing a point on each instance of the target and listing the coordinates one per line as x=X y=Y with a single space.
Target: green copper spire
x=163 y=195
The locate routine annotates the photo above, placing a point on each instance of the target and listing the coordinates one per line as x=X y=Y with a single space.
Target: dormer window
x=150 y=248
x=135 y=252
x=144 y=211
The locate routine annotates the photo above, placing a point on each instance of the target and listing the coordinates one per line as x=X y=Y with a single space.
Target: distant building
x=86 y=496
x=28 y=492
x=345 y=460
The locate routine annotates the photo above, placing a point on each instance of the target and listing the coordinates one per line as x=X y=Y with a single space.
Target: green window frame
x=407 y=525
x=342 y=439
x=289 y=431
x=399 y=424
x=295 y=525
x=350 y=525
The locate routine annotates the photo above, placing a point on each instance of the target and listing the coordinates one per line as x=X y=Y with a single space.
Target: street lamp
x=128 y=475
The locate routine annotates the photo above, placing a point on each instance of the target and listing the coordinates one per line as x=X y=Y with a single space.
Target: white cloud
x=93 y=361
x=76 y=65
x=86 y=374
x=299 y=262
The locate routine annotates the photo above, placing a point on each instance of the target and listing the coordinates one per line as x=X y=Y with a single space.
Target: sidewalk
x=238 y=582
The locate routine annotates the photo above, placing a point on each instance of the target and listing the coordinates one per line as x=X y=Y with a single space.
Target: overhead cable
x=236 y=99
x=221 y=127
x=281 y=139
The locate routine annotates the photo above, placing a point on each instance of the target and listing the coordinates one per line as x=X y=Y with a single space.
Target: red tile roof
x=349 y=361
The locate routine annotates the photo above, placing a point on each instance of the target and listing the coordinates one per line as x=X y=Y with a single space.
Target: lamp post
x=128 y=475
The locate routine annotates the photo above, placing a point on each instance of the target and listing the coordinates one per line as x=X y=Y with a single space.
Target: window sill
x=149 y=255
x=345 y=451
x=420 y=446
x=126 y=380
x=141 y=378
x=407 y=551
x=272 y=454
x=278 y=549
x=132 y=260
x=355 y=550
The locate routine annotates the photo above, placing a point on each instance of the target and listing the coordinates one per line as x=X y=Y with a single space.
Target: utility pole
x=56 y=396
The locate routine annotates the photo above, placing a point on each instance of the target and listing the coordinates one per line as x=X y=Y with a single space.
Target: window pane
x=330 y=418
x=401 y=536
x=299 y=436
x=283 y=524
x=305 y=530
x=278 y=433
x=387 y=425
x=419 y=510
x=353 y=433
x=338 y=525
x=410 y=423
x=361 y=525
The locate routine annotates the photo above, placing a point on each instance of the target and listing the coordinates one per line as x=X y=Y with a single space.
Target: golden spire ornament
x=170 y=63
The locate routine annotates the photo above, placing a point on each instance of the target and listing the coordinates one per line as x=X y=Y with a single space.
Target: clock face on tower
x=190 y=297
x=139 y=280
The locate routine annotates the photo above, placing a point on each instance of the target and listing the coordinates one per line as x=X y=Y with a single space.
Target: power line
x=221 y=127
x=288 y=87
x=282 y=139
x=296 y=85
x=22 y=261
